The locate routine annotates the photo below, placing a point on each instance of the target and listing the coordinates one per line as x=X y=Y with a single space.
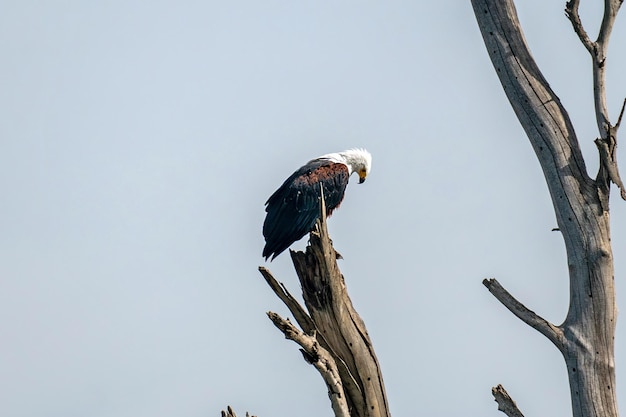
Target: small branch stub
x=505 y=402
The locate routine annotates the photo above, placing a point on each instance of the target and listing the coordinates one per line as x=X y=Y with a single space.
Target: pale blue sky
x=139 y=141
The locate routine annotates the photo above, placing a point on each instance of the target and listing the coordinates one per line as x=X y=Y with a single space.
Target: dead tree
x=581 y=203
x=331 y=334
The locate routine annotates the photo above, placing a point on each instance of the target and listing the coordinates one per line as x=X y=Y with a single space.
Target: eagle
x=294 y=207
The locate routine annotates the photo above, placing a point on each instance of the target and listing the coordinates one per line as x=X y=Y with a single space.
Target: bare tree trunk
x=333 y=336
x=586 y=337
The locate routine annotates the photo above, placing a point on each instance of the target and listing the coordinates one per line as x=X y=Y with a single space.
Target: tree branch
x=611 y=7
x=608 y=167
x=299 y=313
x=319 y=357
x=230 y=413
x=621 y=114
x=505 y=402
x=571 y=11
x=608 y=171
x=552 y=332
x=309 y=327
x=598 y=56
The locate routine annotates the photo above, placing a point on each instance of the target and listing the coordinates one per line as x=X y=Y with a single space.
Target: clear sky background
x=139 y=141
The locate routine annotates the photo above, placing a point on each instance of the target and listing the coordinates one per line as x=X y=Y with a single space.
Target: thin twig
x=621 y=113
x=552 y=332
x=505 y=402
x=571 y=11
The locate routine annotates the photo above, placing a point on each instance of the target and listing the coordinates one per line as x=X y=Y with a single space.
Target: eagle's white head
x=359 y=161
x=356 y=159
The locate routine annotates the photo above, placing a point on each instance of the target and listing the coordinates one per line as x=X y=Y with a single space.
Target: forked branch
x=607 y=143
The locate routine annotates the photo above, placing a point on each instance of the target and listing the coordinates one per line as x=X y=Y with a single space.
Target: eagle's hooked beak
x=362 y=173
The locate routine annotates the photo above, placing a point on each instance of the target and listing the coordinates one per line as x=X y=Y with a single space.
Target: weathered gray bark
x=333 y=336
x=505 y=402
x=586 y=337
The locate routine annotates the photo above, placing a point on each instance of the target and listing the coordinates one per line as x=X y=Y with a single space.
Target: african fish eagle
x=294 y=208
